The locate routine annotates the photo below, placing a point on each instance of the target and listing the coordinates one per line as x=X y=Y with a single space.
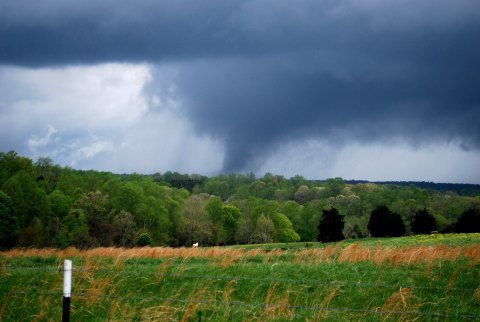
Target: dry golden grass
x=194 y=300
x=277 y=305
x=225 y=257
x=165 y=312
x=228 y=290
x=400 y=301
x=409 y=255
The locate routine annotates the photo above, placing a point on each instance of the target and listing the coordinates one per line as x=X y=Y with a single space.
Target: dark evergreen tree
x=396 y=225
x=378 y=221
x=384 y=223
x=469 y=222
x=423 y=222
x=9 y=227
x=331 y=226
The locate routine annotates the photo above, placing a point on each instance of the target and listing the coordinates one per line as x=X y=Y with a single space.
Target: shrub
x=144 y=240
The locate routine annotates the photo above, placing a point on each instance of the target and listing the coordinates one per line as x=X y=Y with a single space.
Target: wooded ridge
x=46 y=205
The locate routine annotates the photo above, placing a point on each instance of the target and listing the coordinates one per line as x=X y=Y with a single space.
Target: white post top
x=67 y=278
x=67 y=265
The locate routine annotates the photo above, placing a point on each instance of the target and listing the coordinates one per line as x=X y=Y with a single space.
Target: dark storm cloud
x=256 y=105
x=259 y=73
x=58 y=32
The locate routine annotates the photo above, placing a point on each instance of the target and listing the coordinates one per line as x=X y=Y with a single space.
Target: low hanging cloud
x=251 y=78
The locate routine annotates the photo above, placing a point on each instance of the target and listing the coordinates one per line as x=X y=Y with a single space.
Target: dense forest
x=46 y=205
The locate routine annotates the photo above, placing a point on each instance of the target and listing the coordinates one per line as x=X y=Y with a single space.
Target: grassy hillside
x=422 y=278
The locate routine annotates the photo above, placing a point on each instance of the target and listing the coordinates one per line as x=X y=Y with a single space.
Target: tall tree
x=196 y=226
x=214 y=208
x=76 y=227
x=11 y=163
x=47 y=173
x=284 y=228
x=60 y=204
x=94 y=206
x=423 y=222
x=125 y=229
x=265 y=231
x=384 y=223
x=469 y=222
x=231 y=218
x=331 y=226
x=30 y=201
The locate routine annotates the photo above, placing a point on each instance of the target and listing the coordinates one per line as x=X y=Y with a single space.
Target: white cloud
x=87 y=97
x=88 y=152
x=102 y=117
x=36 y=142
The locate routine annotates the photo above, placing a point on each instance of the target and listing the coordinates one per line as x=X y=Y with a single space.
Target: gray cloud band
x=258 y=73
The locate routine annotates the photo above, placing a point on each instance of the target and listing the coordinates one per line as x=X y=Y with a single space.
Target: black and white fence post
x=67 y=288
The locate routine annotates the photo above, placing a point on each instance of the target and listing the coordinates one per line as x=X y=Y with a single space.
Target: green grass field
x=418 y=278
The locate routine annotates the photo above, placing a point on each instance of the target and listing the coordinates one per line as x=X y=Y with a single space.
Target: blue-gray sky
x=362 y=89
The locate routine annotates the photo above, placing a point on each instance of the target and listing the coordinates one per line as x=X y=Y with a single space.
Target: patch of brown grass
x=409 y=255
x=165 y=312
x=277 y=305
x=225 y=257
x=398 y=304
x=228 y=290
x=355 y=253
x=452 y=281
x=194 y=300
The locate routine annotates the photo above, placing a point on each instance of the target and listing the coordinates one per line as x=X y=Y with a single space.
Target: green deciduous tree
x=47 y=173
x=76 y=227
x=284 y=228
x=231 y=218
x=9 y=228
x=334 y=187
x=265 y=231
x=214 y=208
x=355 y=227
x=30 y=201
x=302 y=195
x=217 y=187
x=60 y=204
x=125 y=229
x=11 y=163
x=94 y=206
x=195 y=226
x=310 y=217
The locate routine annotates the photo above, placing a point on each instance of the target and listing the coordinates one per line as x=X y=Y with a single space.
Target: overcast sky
x=361 y=89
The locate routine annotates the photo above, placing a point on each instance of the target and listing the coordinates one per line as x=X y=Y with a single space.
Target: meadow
x=415 y=278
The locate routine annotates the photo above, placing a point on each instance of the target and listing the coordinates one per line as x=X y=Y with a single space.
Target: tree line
x=385 y=223
x=45 y=205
